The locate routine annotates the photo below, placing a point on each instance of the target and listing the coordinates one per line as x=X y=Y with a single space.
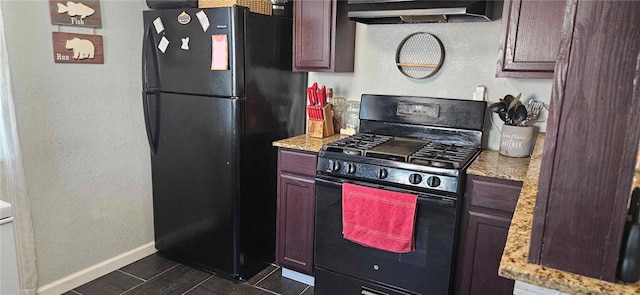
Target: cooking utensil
x=498 y=106
x=508 y=99
x=629 y=262
x=520 y=115
x=512 y=102
x=504 y=116
x=533 y=111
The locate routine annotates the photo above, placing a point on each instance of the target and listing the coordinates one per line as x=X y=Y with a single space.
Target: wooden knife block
x=324 y=128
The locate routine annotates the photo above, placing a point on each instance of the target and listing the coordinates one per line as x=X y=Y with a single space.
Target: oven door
x=426 y=270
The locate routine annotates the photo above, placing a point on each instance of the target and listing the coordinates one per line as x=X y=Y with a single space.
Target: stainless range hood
x=419 y=11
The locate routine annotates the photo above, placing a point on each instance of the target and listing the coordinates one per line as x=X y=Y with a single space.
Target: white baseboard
x=296 y=276
x=95 y=271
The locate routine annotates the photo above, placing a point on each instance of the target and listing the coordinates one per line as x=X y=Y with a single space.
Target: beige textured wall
x=471 y=54
x=83 y=141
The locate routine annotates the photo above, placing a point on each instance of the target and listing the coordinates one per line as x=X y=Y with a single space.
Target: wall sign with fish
x=77 y=13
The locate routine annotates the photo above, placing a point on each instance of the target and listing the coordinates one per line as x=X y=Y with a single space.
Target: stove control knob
x=334 y=165
x=351 y=168
x=415 y=178
x=382 y=173
x=433 y=181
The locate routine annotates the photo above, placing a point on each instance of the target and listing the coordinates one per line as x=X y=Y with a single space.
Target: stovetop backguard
x=450 y=121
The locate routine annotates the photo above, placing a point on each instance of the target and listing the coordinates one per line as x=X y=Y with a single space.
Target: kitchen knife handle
x=309 y=96
x=147 y=120
x=323 y=96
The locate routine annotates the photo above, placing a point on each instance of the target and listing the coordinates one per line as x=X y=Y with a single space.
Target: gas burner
x=443 y=155
x=356 y=144
x=440 y=164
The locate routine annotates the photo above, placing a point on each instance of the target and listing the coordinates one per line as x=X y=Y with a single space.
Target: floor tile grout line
x=196 y=286
x=258 y=282
x=263 y=289
x=136 y=286
x=126 y=273
x=305 y=290
x=151 y=278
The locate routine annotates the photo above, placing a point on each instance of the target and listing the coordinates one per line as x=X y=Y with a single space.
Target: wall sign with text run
x=77 y=48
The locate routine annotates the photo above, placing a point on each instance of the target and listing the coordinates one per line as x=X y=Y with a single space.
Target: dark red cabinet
x=323 y=36
x=587 y=170
x=295 y=212
x=530 y=38
x=488 y=207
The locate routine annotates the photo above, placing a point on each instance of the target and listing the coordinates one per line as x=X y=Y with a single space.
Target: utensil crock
x=517 y=141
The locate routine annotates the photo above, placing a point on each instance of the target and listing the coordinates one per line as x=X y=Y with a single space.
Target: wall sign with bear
x=77 y=48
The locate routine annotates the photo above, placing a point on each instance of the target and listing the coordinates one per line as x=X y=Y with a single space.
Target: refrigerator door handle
x=145 y=70
x=153 y=146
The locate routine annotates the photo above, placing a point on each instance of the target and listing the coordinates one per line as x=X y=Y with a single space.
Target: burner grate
x=357 y=144
x=442 y=155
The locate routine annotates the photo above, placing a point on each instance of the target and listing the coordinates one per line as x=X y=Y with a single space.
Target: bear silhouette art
x=82 y=48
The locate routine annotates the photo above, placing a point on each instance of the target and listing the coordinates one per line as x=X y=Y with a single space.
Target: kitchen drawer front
x=297 y=162
x=495 y=194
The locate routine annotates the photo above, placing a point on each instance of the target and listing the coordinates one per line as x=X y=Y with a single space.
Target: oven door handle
x=430 y=199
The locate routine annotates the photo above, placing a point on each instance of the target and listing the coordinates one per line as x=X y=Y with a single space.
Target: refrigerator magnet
x=203 y=19
x=185 y=43
x=184 y=18
x=163 y=44
x=159 y=25
x=219 y=53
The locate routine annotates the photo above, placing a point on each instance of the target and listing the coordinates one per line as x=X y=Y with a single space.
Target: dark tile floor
x=157 y=275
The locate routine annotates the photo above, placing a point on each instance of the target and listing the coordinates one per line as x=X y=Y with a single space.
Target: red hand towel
x=378 y=218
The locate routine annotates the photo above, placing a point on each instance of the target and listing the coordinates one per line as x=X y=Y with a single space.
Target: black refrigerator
x=217 y=91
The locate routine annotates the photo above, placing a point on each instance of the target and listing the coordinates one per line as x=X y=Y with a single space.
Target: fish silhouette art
x=74 y=9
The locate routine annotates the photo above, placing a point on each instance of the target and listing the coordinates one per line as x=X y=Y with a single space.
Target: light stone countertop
x=491 y=164
x=306 y=143
x=514 y=263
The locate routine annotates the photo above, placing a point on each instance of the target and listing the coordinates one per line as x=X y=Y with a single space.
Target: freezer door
x=180 y=55
x=195 y=179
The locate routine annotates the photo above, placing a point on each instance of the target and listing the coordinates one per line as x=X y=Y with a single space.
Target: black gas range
x=410 y=162
x=415 y=145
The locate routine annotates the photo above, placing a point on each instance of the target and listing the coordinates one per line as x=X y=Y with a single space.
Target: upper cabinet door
x=312 y=33
x=530 y=39
x=323 y=35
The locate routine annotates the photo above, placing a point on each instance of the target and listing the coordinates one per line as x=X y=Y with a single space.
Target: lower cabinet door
x=296 y=207
x=485 y=239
